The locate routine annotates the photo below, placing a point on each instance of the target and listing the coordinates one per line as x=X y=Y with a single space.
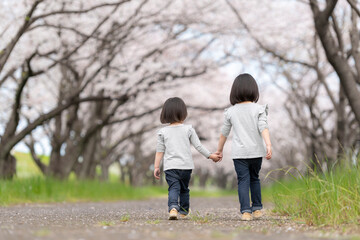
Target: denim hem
x=256 y=208
x=248 y=210
x=183 y=212
x=174 y=206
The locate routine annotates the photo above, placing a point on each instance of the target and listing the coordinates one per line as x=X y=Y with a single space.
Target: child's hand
x=157 y=173
x=219 y=153
x=268 y=152
x=216 y=157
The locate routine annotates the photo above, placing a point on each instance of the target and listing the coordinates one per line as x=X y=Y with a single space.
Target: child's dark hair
x=173 y=110
x=244 y=89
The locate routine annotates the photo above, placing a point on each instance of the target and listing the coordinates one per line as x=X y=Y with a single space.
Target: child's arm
x=225 y=131
x=221 y=144
x=195 y=141
x=264 y=130
x=160 y=149
x=158 y=157
x=266 y=136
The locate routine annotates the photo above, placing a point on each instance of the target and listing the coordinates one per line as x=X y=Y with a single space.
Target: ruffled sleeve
x=263 y=113
x=226 y=127
x=160 y=145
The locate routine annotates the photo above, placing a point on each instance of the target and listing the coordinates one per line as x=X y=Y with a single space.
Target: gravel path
x=213 y=218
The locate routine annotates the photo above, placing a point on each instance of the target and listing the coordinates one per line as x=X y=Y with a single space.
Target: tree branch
x=35 y=18
x=329 y=9
x=7 y=75
x=260 y=44
x=338 y=33
x=56 y=111
x=354 y=7
x=13 y=122
x=34 y=156
x=354 y=38
x=4 y=54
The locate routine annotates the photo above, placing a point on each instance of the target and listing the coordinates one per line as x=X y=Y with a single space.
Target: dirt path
x=213 y=218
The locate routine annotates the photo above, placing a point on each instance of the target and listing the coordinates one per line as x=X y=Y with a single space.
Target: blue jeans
x=179 y=197
x=247 y=171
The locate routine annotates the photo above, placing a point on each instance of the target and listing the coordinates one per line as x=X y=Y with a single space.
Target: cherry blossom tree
x=109 y=53
x=293 y=55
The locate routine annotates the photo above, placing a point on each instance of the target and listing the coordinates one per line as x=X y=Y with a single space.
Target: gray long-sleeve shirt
x=175 y=142
x=248 y=121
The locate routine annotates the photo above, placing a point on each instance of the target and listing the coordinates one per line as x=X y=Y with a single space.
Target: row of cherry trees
x=83 y=70
x=89 y=77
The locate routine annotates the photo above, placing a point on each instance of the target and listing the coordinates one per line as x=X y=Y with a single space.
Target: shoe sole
x=173 y=218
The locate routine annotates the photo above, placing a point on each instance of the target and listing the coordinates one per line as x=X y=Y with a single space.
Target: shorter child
x=173 y=144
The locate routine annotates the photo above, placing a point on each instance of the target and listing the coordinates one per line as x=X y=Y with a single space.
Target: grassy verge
x=321 y=199
x=25 y=166
x=39 y=189
x=211 y=192
x=44 y=190
x=31 y=187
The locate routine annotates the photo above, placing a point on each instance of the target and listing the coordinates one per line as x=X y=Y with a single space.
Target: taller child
x=173 y=144
x=249 y=121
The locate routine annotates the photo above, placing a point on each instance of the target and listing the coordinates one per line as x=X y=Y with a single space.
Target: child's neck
x=176 y=123
x=244 y=102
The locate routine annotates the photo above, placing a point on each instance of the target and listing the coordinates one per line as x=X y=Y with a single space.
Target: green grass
x=125 y=218
x=25 y=166
x=198 y=218
x=30 y=186
x=107 y=223
x=39 y=189
x=42 y=190
x=211 y=192
x=320 y=199
x=153 y=222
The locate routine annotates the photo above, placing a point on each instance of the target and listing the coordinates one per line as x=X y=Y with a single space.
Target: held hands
x=216 y=157
x=157 y=173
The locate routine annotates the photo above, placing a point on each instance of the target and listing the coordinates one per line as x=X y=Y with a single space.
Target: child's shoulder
x=263 y=108
x=179 y=130
x=260 y=108
x=188 y=128
x=179 y=127
x=230 y=109
x=160 y=131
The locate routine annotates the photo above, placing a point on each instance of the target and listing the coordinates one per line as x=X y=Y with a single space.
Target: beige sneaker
x=173 y=214
x=183 y=216
x=257 y=214
x=246 y=216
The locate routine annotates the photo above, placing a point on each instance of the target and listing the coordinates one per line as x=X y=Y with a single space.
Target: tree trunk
x=337 y=60
x=91 y=173
x=104 y=172
x=55 y=161
x=315 y=162
x=341 y=125
x=7 y=165
x=203 y=177
x=88 y=157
